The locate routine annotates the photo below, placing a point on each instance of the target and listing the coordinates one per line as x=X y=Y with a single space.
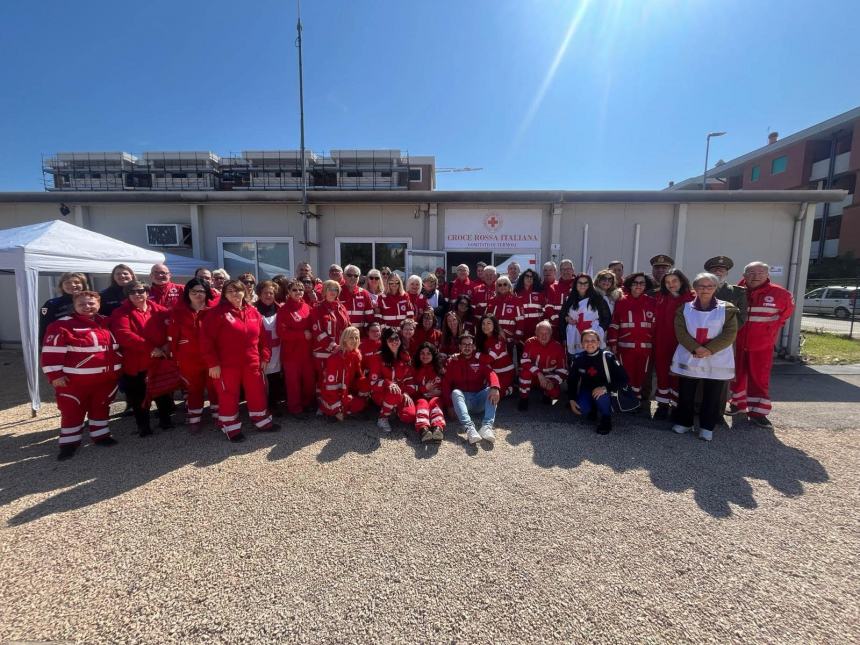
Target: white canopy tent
x=57 y=247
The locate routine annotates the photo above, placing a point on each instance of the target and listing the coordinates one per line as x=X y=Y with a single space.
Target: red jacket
x=382 y=375
x=184 y=327
x=291 y=323
x=419 y=304
x=495 y=354
x=533 y=305
x=633 y=324
x=664 y=328
x=393 y=310
x=167 y=294
x=480 y=295
x=769 y=306
x=76 y=346
x=369 y=350
x=549 y=359
x=138 y=333
x=554 y=297
x=341 y=374
x=329 y=320
x=358 y=306
x=433 y=336
x=509 y=313
x=461 y=288
x=427 y=379
x=467 y=375
x=234 y=337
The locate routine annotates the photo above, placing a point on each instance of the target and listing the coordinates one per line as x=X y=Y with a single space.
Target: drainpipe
x=636 y=249
x=792 y=283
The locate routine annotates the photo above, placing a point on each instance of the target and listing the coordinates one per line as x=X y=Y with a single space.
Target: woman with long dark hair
x=583 y=309
x=426 y=331
x=114 y=296
x=675 y=290
x=493 y=350
x=532 y=301
x=452 y=329
x=429 y=417
x=631 y=333
x=392 y=381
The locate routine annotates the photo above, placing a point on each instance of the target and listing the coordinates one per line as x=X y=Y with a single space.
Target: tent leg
x=33 y=413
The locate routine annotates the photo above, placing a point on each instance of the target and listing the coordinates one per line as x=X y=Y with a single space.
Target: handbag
x=623 y=399
x=162 y=377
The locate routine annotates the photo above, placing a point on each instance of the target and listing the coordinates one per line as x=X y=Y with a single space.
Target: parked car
x=832 y=301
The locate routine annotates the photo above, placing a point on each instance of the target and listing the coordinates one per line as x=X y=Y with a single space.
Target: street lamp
x=707 y=150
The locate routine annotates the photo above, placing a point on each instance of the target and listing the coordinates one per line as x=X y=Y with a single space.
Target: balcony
x=819 y=168
x=836 y=208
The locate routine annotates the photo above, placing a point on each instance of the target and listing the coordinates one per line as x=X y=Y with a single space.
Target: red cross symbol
x=582 y=324
x=701 y=335
x=492 y=221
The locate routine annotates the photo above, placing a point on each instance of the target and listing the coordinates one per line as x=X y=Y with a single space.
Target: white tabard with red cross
x=704 y=326
x=578 y=320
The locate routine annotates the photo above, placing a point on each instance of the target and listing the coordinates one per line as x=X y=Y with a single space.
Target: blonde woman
x=605 y=284
x=374 y=285
x=56 y=308
x=344 y=390
x=396 y=305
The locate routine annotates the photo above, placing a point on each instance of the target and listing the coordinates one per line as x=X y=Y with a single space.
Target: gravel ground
x=325 y=533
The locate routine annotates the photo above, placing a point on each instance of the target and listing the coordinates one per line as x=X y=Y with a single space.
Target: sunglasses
x=583 y=283
x=373 y=277
x=138 y=292
x=248 y=282
x=351 y=275
x=638 y=283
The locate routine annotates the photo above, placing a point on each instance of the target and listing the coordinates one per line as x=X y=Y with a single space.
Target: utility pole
x=304 y=211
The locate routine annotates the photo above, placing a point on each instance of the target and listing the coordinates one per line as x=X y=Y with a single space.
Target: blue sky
x=483 y=83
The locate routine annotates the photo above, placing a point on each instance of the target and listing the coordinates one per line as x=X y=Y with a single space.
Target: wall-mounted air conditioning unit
x=168 y=234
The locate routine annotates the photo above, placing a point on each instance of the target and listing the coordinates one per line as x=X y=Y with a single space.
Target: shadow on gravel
x=798 y=382
x=717 y=472
x=28 y=464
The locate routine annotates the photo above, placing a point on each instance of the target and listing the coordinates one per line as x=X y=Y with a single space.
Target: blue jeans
x=586 y=402
x=465 y=402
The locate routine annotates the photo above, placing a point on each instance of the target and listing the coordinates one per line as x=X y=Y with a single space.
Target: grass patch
x=827 y=349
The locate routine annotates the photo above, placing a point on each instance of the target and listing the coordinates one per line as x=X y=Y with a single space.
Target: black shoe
x=604 y=426
x=272 y=427
x=546 y=399
x=661 y=413
x=523 y=405
x=166 y=424
x=760 y=421
x=66 y=451
x=144 y=432
x=107 y=442
x=128 y=412
x=733 y=410
x=237 y=438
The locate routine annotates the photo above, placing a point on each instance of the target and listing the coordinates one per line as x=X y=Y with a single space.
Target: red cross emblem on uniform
x=591 y=371
x=701 y=335
x=582 y=324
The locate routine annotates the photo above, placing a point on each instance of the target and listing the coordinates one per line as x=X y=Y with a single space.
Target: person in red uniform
x=442 y=281
x=162 y=291
x=413 y=290
x=462 y=285
x=395 y=306
x=427 y=332
x=631 y=334
x=330 y=318
x=407 y=337
x=452 y=329
x=505 y=307
x=294 y=325
x=483 y=291
x=532 y=302
x=557 y=292
x=543 y=364
x=140 y=328
x=429 y=417
x=469 y=385
x=268 y=306
x=493 y=349
x=184 y=325
x=675 y=290
x=768 y=307
x=357 y=301
x=344 y=388
x=464 y=312
x=81 y=359
x=370 y=346
x=392 y=381
x=234 y=347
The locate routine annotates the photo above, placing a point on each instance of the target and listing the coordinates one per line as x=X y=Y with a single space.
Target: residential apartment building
x=250 y=170
x=824 y=156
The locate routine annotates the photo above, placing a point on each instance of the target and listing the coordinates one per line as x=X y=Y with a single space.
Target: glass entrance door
x=424 y=262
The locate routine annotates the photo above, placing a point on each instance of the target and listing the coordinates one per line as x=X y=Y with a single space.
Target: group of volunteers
x=423 y=351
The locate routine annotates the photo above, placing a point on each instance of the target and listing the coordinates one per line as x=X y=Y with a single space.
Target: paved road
x=830 y=325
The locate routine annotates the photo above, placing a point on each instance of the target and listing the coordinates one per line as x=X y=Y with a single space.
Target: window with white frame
x=372 y=252
x=265 y=257
x=415 y=174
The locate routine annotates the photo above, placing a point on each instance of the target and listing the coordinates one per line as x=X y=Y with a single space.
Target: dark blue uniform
x=112 y=298
x=52 y=310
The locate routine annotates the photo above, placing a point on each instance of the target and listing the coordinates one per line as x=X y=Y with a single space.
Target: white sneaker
x=706 y=435
x=382 y=424
x=472 y=435
x=681 y=429
x=486 y=433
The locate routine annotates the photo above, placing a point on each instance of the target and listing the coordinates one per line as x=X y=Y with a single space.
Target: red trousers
x=86 y=396
x=338 y=398
x=751 y=387
x=527 y=382
x=667 y=383
x=635 y=363
x=402 y=404
x=428 y=414
x=197 y=384
x=300 y=379
x=253 y=382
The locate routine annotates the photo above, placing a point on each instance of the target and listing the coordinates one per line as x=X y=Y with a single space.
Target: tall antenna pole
x=302 y=118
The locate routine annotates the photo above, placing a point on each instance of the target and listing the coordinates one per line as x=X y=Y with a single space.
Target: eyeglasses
x=138 y=292
x=638 y=283
x=351 y=275
x=584 y=283
x=373 y=277
x=248 y=282
x=605 y=279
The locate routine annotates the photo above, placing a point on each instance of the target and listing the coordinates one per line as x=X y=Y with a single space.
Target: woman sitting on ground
x=429 y=417
x=392 y=381
x=493 y=349
x=344 y=389
x=587 y=386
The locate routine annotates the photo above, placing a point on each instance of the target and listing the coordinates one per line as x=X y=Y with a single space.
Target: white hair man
x=356 y=300
x=769 y=306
